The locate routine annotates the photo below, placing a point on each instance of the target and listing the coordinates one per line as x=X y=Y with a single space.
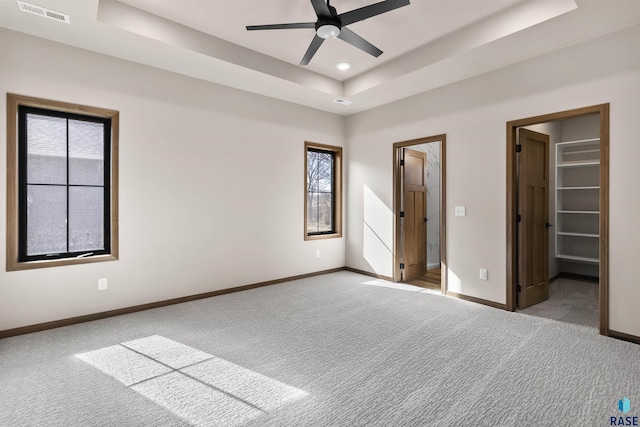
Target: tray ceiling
x=428 y=44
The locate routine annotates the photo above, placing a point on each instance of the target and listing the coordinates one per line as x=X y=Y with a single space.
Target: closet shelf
x=579 y=212
x=578 y=258
x=567 y=233
x=595 y=150
x=595 y=187
x=576 y=232
x=579 y=142
x=578 y=164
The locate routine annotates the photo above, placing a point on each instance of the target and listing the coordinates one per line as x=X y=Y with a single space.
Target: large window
x=323 y=213
x=62 y=183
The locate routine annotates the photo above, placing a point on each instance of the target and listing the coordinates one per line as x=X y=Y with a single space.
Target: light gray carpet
x=571 y=301
x=362 y=355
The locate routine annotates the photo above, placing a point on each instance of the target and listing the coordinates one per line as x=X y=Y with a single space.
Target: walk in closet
x=575 y=167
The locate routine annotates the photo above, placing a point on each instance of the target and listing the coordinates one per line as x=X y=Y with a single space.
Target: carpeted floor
x=571 y=301
x=335 y=350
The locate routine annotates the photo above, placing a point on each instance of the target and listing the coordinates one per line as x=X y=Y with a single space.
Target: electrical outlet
x=102 y=284
x=317 y=253
x=461 y=211
x=484 y=274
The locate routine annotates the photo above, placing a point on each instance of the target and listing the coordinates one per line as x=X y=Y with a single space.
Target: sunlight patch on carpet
x=202 y=389
x=124 y=365
x=431 y=291
x=385 y=284
x=168 y=352
x=261 y=391
x=195 y=402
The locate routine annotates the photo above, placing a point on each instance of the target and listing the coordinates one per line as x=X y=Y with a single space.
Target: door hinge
x=518 y=218
x=401 y=266
x=425 y=220
x=401 y=214
x=401 y=162
x=518 y=148
x=518 y=288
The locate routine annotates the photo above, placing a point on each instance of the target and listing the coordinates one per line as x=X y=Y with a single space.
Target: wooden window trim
x=13 y=103
x=337 y=195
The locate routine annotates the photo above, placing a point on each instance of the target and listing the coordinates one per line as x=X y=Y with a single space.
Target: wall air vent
x=342 y=101
x=45 y=13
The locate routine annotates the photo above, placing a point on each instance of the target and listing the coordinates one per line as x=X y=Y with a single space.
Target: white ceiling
x=428 y=44
x=395 y=32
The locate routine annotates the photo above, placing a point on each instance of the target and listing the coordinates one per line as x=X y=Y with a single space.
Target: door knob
x=547 y=225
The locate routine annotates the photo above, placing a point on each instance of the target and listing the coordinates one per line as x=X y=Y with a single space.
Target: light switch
x=461 y=211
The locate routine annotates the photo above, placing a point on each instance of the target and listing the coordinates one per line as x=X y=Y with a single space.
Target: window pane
x=320 y=171
x=325 y=212
x=46 y=149
x=46 y=219
x=86 y=153
x=86 y=218
x=320 y=177
x=312 y=171
x=312 y=212
x=319 y=212
x=325 y=172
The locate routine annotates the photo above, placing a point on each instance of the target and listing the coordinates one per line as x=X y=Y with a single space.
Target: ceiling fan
x=330 y=25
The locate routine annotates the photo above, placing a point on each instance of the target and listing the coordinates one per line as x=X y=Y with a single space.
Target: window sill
x=30 y=265
x=322 y=236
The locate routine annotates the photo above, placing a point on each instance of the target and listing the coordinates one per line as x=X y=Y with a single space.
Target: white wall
x=211 y=184
x=473 y=114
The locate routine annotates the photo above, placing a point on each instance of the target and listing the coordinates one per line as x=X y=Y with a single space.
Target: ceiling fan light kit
x=328 y=31
x=331 y=25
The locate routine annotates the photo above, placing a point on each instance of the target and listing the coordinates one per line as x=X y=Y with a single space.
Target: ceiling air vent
x=45 y=13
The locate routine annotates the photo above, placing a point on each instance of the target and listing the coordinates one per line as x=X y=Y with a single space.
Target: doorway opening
x=558 y=216
x=419 y=212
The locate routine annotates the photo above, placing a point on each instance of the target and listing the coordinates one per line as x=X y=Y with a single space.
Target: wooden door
x=533 y=210
x=415 y=213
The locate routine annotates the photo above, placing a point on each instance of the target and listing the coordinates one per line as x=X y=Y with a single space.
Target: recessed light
x=343 y=66
x=342 y=101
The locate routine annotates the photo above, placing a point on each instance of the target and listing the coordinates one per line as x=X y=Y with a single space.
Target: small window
x=323 y=191
x=62 y=185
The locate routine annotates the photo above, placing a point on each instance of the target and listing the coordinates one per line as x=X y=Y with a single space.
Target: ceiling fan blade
x=321 y=8
x=281 y=26
x=313 y=48
x=371 y=10
x=357 y=41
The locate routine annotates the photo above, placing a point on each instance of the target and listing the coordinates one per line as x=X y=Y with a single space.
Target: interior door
x=533 y=226
x=415 y=213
